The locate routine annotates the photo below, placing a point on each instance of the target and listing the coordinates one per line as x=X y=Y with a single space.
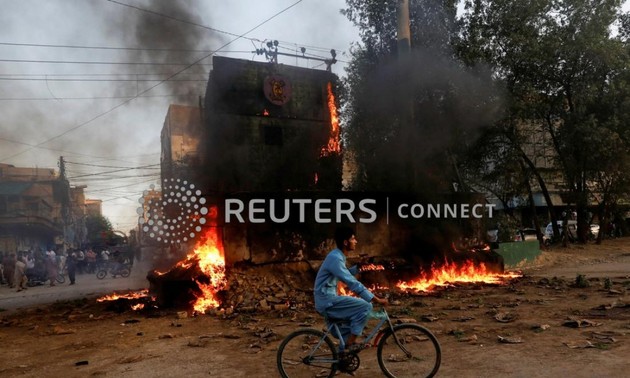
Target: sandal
x=354 y=348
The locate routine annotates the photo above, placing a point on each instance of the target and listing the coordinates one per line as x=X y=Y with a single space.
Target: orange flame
x=132 y=295
x=452 y=273
x=371 y=267
x=209 y=255
x=342 y=289
x=138 y=306
x=333 y=146
x=265 y=112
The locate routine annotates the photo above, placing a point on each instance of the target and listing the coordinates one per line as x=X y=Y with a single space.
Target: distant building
x=38 y=210
x=94 y=207
x=181 y=135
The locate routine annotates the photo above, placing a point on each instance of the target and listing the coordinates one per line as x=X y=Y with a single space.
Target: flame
x=371 y=267
x=209 y=255
x=333 y=146
x=342 y=289
x=265 y=112
x=451 y=273
x=316 y=178
x=132 y=295
x=138 y=306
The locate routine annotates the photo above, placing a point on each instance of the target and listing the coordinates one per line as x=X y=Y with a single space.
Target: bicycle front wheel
x=416 y=354
x=307 y=353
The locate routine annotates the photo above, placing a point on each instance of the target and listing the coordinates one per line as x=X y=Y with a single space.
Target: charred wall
x=266 y=125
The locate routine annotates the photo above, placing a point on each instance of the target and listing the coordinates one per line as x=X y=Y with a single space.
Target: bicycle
x=404 y=350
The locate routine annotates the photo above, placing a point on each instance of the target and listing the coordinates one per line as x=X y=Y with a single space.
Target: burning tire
x=307 y=353
x=410 y=351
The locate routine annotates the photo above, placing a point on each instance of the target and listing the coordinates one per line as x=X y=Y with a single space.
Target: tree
x=99 y=230
x=448 y=102
x=566 y=76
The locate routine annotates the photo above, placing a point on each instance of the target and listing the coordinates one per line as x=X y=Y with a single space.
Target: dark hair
x=341 y=234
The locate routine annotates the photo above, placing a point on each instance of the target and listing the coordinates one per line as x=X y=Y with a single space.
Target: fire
x=132 y=295
x=209 y=255
x=137 y=307
x=342 y=289
x=265 y=112
x=371 y=267
x=333 y=146
x=451 y=273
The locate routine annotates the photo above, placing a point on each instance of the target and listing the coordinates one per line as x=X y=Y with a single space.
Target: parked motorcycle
x=37 y=278
x=123 y=270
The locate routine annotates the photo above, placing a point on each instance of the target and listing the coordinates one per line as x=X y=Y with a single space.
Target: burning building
x=272 y=131
x=270 y=127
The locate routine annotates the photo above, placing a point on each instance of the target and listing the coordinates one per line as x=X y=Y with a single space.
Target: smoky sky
x=44 y=103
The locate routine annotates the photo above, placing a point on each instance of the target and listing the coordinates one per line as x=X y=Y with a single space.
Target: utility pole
x=62 y=168
x=407 y=127
x=404 y=32
x=66 y=216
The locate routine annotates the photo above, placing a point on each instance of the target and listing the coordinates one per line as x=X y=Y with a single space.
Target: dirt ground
x=562 y=329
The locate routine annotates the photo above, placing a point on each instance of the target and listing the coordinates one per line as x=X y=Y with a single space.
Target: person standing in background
x=19 y=278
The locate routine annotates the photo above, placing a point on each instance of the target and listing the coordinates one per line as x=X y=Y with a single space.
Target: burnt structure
x=268 y=127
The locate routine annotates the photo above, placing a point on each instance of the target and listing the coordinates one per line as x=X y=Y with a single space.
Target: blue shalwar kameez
x=329 y=304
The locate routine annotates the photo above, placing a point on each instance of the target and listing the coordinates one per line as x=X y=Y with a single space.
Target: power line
x=201 y=25
x=121 y=186
x=97 y=80
x=95 y=62
x=150 y=88
x=106 y=166
x=84 y=98
x=115 y=171
x=100 y=47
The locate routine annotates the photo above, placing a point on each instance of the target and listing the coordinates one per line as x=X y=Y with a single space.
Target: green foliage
x=99 y=229
x=581 y=281
x=607 y=284
x=567 y=81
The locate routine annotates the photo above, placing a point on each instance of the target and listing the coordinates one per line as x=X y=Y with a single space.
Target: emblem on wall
x=277 y=89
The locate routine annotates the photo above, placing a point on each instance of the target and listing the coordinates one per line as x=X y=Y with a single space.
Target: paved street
x=87 y=285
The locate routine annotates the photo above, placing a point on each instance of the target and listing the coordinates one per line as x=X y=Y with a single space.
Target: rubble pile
x=273 y=287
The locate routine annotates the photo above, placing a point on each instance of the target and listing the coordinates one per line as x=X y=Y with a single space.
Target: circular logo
x=176 y=215
x=277 y=89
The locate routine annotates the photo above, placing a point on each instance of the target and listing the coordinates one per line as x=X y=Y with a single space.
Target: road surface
x=86 y=286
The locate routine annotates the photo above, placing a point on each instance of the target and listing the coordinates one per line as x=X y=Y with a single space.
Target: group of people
x=16 y=269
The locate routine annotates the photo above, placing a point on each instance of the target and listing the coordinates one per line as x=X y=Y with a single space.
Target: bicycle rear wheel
x=416 y=354
x=307 y=353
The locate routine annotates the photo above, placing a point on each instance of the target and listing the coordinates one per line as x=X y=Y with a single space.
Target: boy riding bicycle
x=331 y=305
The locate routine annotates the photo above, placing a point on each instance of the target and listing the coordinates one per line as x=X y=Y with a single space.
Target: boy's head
x=343 y=236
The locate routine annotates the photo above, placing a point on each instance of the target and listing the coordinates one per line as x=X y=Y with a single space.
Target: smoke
x=419 y=110
x=100 y=24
